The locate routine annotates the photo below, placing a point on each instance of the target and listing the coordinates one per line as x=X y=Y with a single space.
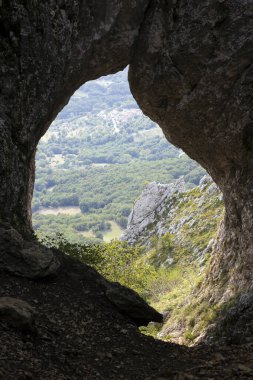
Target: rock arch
x=190 y=71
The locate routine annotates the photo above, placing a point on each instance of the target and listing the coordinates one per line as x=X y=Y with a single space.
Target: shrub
x=90 y=254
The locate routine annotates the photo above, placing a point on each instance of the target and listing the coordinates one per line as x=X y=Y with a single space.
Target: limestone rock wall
x=189 y=218
x=148 y=210
x=192 y=73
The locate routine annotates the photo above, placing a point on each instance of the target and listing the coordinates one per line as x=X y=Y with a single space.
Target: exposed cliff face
x=191 y=218
x=188 y=76
x=178 y=234
x=144 y=220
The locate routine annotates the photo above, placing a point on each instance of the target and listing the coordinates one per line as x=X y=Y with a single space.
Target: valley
x=95 y=160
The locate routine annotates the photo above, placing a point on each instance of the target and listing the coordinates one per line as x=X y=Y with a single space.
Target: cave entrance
x=101 y=157
x=96 y=158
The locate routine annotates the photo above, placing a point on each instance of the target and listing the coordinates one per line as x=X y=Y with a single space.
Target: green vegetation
x=90 y=254
x=165 y=288
x=91 y=166
x=114 y=232
x=191 y=220
x=168 y=285
x=95 y=160
x=195 y=216
x=119 y=262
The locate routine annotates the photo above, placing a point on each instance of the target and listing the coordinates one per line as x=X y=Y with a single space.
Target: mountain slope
x=177 y=229
x=191 y=218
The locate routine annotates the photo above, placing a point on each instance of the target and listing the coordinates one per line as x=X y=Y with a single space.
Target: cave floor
x=80 y=335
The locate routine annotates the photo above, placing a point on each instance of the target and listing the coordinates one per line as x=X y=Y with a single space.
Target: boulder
x=25 y=258
x=130 y=304
x=17 y=313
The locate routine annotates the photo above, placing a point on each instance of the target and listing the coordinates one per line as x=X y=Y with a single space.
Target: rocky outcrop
x=25 y=258
x=235 y=323
x=130 y=304
x=148 y=209
x=192 y=73
x=189 y=218
x=17 y=313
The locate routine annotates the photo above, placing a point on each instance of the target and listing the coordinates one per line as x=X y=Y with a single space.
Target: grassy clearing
x=67 y=210
x=87 y=234
x=114 y=233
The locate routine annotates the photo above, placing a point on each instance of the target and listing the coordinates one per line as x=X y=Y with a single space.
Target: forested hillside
x=95 y=160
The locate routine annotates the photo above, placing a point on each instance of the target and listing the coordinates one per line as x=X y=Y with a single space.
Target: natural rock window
x=190 y=72
x=95 y=160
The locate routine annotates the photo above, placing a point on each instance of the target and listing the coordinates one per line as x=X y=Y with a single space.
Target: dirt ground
x=79 y=334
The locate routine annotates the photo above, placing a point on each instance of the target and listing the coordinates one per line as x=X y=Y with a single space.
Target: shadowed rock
x=25 y=258
x=17 y=313
x=130 y=304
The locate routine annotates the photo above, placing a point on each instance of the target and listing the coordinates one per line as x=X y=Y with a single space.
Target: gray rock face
x=204 y=182
x=148 y=209
x=17 y=313
x=184 y=215
x=236 y=324
x=192 y=73
x=130 y=304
